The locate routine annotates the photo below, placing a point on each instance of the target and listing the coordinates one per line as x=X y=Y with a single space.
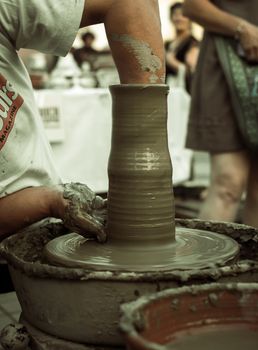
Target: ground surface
x=9 y=309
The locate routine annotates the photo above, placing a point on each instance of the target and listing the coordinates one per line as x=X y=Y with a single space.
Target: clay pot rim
x=138 y=86
x=132 y=311
x=236 y=231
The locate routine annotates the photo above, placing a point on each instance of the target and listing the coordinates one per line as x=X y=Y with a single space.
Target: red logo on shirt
x=10 y=103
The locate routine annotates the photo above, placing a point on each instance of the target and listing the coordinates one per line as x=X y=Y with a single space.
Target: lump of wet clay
x=14 y=336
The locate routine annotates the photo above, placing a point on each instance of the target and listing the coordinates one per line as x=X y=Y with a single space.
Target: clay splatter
x=193 y=308
x=148 y=61
x=213 y=298
x=175 y=304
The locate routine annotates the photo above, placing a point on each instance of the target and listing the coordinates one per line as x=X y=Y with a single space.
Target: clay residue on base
x=24 y=251
x=193 y=249
x=246 y=236
x=148 y=61
x=43 y=340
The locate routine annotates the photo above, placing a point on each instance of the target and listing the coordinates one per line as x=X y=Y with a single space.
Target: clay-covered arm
x=27 y=206
x=134 y=33
x=79 y=208
x=215 y=20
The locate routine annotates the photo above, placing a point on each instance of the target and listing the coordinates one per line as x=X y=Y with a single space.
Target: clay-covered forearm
x=74 y=203
x=211 y=17
x=28 y=206
x=134 y=33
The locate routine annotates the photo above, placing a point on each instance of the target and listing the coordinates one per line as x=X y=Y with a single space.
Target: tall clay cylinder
x=140 y=197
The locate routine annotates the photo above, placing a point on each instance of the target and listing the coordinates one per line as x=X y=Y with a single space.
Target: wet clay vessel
x=71 y=287
x=140 y=221
x=211 y=316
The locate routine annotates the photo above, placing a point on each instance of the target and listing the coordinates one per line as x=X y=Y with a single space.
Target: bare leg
x=134 y=34
x=229 y=173
x=251 y=203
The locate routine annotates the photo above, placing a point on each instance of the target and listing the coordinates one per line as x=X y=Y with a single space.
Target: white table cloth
x=78 y=124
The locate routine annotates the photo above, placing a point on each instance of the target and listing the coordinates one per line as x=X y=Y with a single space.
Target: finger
x=98 y=202
x=89 y=225
x=99 y=233
x=100 y=215
x=101 y=236
x=79 y=221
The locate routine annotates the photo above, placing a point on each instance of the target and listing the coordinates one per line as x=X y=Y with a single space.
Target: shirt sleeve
x=48 y=26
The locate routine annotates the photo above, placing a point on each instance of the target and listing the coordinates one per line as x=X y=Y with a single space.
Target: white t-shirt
x=49 y=26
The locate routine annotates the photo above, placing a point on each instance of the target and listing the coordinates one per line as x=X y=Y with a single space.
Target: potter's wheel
x=82 y=305
x=43 y=341
x=192 y=249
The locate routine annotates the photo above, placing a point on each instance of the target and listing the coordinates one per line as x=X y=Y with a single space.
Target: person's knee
x=229 y=186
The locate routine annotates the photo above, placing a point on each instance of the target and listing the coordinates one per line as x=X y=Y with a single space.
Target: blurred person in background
x=86 y=53
x=182 y=51
x=38 y=65
x=217 y=121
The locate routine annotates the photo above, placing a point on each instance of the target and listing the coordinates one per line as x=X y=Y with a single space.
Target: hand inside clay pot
x=85 y=212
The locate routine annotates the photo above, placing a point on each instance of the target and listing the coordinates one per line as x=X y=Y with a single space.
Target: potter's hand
x=248 y=39
x=172 y=61
x=85 y=212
